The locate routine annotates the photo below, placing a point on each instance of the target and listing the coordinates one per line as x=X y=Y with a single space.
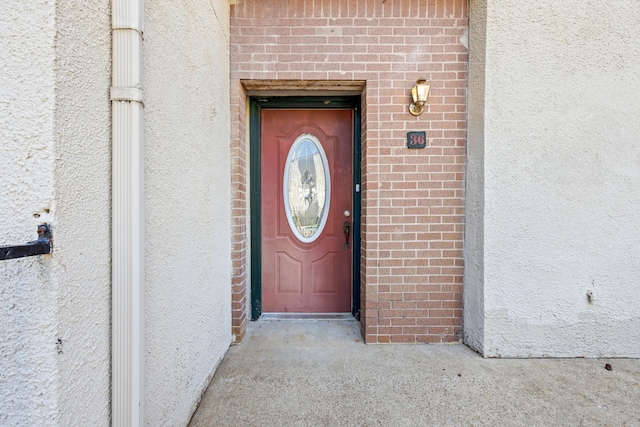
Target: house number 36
x=416 y=139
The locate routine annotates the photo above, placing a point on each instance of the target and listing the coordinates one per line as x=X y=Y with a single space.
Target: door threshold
x=307 y=316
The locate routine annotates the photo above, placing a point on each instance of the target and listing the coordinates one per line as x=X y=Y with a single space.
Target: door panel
x=306 y=266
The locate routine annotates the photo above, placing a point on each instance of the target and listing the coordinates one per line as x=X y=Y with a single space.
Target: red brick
x=413 y=201
x=428 y=338
x=403 y=339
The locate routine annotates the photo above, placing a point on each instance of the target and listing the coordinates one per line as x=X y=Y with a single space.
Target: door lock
x=346 y=227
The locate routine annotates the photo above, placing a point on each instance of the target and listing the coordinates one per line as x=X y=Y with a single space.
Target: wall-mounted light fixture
x=420 y=94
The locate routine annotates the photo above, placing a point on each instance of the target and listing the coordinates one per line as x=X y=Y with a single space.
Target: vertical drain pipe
x=127 y=270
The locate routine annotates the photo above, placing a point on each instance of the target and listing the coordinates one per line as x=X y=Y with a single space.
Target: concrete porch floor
x=319 y=373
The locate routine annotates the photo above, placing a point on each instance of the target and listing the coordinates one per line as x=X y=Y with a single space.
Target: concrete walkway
x=319 y=373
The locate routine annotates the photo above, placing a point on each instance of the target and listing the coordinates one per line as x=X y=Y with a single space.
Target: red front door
x=306 y=205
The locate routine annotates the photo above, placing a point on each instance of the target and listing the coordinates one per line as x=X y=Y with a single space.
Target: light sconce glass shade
x=420 y=94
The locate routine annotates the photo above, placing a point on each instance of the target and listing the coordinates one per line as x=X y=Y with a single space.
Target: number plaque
x=416 y=139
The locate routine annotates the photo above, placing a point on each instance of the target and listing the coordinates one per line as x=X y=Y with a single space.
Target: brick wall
x=413 y=206
x=239 y=213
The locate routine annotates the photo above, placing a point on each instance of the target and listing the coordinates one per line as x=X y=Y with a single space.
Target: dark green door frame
x=321 y=102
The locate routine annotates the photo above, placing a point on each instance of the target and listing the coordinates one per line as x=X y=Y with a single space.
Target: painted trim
x=292 y=88
x=255 y=171
x=256 y=104
x=357 y=209
x=127 y=268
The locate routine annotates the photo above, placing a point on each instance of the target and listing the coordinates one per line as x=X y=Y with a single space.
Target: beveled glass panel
x=307 y=188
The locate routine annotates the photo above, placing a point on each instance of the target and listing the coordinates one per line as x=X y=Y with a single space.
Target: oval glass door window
x=307 y=188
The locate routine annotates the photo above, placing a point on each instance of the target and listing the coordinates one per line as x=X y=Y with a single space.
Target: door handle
x=346 y=227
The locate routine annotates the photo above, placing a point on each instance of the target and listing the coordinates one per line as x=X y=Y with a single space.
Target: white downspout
x=127 y=310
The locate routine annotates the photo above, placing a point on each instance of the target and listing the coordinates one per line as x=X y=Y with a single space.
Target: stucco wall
x=561 y=156
x=83 y=210
x=54 y=158
x=28 y=372
x=188 y=261
x=473 y=326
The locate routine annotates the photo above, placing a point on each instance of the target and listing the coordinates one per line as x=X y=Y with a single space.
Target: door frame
x=256 y=104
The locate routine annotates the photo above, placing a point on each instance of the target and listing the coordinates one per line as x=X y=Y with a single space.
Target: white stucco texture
x=188 y=235
x=473 y=324
x=82 y=228
x=54 y=158
x=561 y=170
x=28 y=372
